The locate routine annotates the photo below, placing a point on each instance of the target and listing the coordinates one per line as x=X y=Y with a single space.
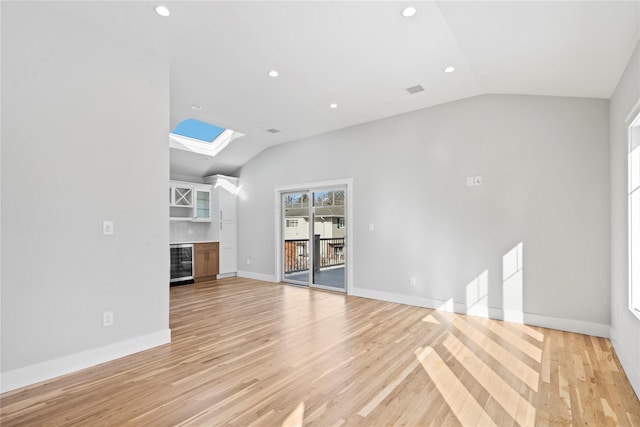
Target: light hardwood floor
x=249 y=353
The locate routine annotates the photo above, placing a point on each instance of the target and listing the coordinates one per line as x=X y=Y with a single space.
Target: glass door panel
x=203 y=205
x=295 y=232
x=329 y=239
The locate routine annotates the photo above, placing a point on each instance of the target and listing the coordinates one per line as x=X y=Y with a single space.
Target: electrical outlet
x=470 y=181
x=107 y=318
x=248 y=260
x=371 y=227
x=412 y=280
x=478 y=180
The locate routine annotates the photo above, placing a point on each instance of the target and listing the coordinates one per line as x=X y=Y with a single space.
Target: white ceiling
x=362 y=56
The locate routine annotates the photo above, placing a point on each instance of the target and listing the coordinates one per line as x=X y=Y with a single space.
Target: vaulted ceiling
x=361 y=56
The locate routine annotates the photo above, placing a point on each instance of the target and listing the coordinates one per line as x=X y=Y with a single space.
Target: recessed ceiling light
x=162 y=11
x=409 y=11
x=333 y=105
x=196 y=107
x=273 y=73
x=449 y=69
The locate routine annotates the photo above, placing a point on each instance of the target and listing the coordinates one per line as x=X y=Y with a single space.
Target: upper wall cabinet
x=189 y=201
x=180 y=195
x=202 y=208
x=225 y=190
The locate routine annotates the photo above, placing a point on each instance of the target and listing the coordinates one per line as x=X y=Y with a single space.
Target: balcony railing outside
x=296 y=253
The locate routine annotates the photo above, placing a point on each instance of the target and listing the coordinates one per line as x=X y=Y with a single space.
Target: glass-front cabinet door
x=203 y=204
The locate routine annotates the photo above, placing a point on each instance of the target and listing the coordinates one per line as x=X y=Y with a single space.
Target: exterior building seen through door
x=329 y=234
x=295 y=226
x=314 y=231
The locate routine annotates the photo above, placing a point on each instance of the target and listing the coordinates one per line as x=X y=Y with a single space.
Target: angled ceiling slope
x=361 y=56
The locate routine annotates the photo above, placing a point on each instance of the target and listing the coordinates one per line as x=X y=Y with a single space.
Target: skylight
x=195 y=129
x=201 y=137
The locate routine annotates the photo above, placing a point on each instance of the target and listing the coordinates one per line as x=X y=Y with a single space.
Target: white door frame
x=310 y=186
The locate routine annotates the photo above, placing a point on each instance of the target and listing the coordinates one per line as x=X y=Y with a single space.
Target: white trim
x=310 y=186
x=206 y=148
x=633 y=277
x=327 y=288
x=43 y=371
x=278 y=230
x=631 y=370
x=225 y=275
x=402 y=299
x=257 y=276
x=635 y=110
x=569 y=325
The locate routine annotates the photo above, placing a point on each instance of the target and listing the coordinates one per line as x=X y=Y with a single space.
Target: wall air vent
x=414 y=89
x=273 y=130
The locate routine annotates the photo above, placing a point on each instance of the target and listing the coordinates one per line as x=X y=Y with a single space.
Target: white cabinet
x=228 y=248
x=227 y=204
x=180 y=201
x=189 y=201
x=202 y=208
x=180 y=195
x=224 y=199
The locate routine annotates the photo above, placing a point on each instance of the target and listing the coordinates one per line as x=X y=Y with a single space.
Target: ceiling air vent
x=273 y=130
x=414 y=89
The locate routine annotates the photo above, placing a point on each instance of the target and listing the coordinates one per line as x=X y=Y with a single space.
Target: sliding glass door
x=296 y=231
x=328 y=212
x=314 y=238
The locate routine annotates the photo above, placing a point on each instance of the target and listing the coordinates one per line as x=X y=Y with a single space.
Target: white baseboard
x=403 y=299
x=43 y=371
x=631 y=369
x=225 y=275
x=257 y=276
x=569 y=325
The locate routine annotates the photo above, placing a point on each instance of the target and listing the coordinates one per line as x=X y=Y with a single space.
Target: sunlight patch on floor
x=466 y=409
x=295 y=417
x=430 y=319
x=521 y=370
x=520 y=343
x=499 y=389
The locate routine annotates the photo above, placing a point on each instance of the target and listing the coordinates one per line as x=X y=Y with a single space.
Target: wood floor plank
x=251 y=353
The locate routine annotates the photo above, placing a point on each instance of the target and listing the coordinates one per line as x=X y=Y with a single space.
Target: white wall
x=625 y=327
x=84 y=124
x=545 y=166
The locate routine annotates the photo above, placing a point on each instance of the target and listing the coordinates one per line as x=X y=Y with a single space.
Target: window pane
x=634 y=170
x=634 y=248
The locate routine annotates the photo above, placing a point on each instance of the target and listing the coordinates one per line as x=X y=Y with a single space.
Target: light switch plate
x=107 y=228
